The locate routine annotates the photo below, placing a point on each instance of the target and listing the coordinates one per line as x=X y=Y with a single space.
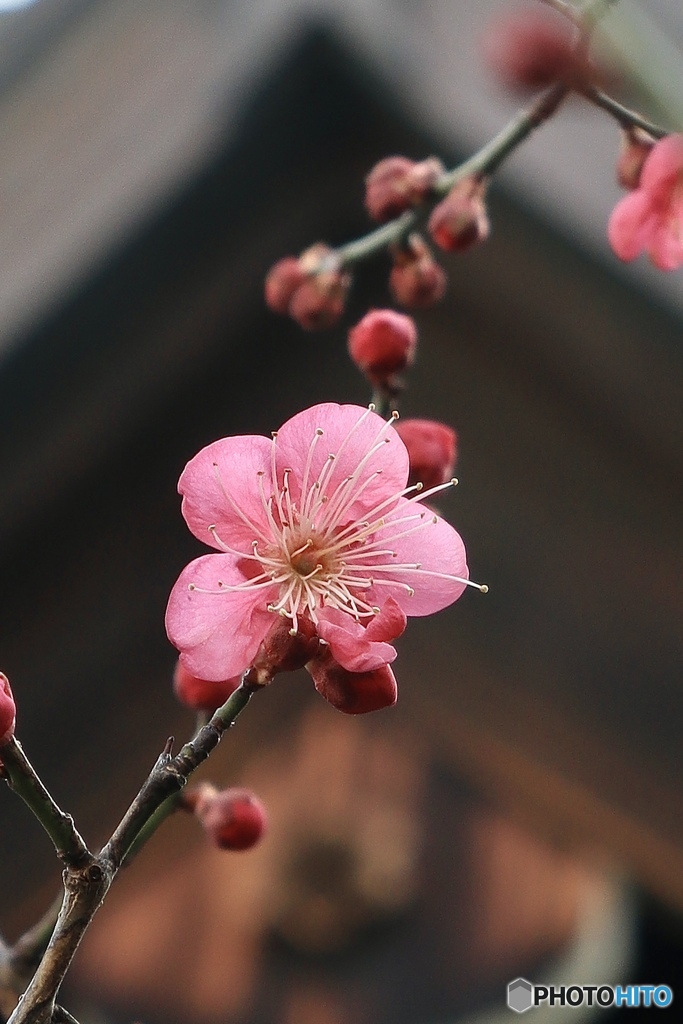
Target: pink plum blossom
x=314 y=528
x=650 y=218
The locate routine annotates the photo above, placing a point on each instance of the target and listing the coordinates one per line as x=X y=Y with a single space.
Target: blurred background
x=521 y=810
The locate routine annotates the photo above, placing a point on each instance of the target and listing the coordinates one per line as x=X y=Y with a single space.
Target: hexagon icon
x=520 y=996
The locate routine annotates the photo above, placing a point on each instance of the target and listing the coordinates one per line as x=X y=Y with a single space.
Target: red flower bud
x=460 y=220
x=530 y=49
x=200 y=694
x=432 y=450
x=416 y=279
x=397 y=183
x=233 y=819
x=382 y=344
x=636 y=146
x=8 y=710
x=284 y=651
x=282 y=281
x=312 y=288
x=354 y=693
x=319 y=301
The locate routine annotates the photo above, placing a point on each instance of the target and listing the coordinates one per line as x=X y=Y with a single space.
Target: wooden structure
x=557 y=697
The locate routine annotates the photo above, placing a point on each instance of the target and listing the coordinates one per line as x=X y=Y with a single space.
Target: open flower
x=315 y=528
x=650 y=219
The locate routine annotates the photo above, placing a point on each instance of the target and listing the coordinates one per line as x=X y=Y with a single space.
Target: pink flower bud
x=354 y=693
x=200 y=694
x=636 y=146
x=432 y=450
x=319 y=301
x=312 y=288
x=530 y=49
x=8 y=710
x=282 y=281
x=460 y=220
x=382 y=344
x=397 y=183
x=233 y=819
x=416 y=279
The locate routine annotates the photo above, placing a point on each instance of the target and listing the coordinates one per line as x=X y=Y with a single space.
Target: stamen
x=224 y=588
x=434 y=490
x=343 y=445
x=224 y=547
x=347 y=485
x=276 y=532
x=482 y=587
x=378 y=508
x=304 y=547
x=236 y=507
x=288 y=497
x=273 y=474
x=304 y=483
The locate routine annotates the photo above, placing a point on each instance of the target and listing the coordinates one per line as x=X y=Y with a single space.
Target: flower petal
x=632 y=225
x=203 y=625
x=390 y=622
x=349 y=432
x=663 y=165
x=426 y=540
x=666 y=246
x=350 y=644
x=220 y=488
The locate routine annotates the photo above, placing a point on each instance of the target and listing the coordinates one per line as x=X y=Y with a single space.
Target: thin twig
x=627 y=118
x=484 y=162
x=24 y=780
x=62 y=1016
x=87 y=885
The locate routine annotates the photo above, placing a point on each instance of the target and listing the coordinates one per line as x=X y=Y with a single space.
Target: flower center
x=313 y=553
x=305 y=563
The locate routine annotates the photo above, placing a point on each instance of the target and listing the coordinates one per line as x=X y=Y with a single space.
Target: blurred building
x=156 y=160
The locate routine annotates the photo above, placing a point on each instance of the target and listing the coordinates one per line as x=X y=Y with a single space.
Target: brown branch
x=85 y=886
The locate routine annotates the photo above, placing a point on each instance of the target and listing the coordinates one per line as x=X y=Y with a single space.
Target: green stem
x=483 y=163
x=626 y=118
x=489 y=158
x=24 y=780
x=155 y=820
x=170 y=774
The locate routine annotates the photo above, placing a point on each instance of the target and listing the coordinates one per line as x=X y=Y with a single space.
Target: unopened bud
x=416 y=279
x=282 y=281
x=8 y=710
x=382 y=344
x=397 y=183
x=460 y=220
x=233 y=819
x=636 y=146
x=201 y=694
x=319 y=301
x=311 y=288
x=530 y=49
x=354 y=693
x=432 y=450
x=283 y=651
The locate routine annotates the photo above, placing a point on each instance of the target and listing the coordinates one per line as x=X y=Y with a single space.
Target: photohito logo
x=522 y=995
